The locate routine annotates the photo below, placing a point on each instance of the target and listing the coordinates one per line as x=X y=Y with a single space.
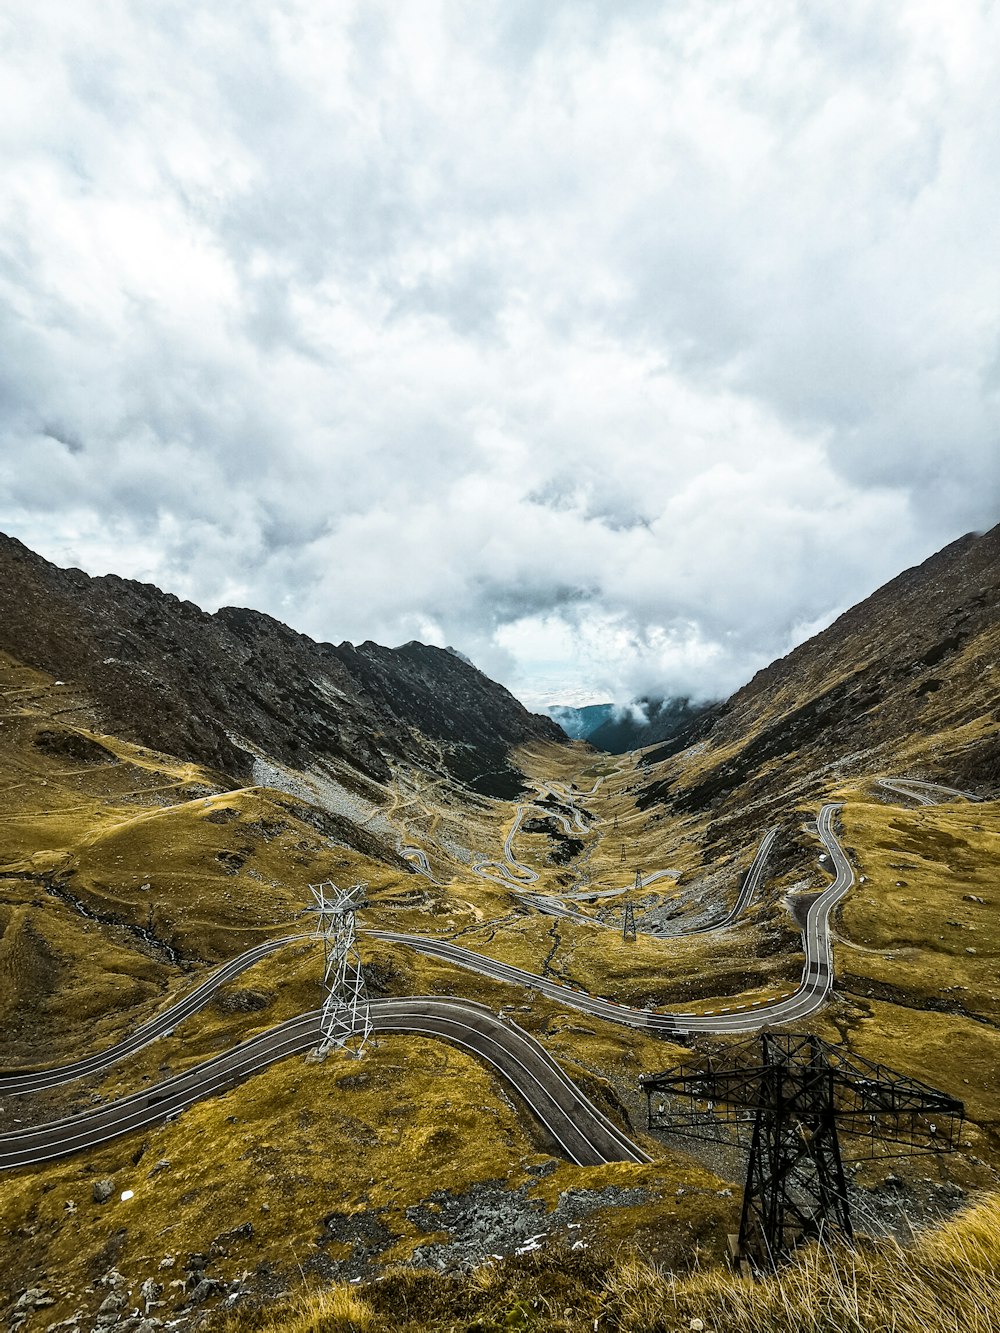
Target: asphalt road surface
x=570 y=1120
x=419 y=857
x=16 y=1082
x=751 y=883
x=515 y=874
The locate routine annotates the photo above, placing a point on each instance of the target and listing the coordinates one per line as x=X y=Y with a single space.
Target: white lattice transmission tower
x=345 y=1022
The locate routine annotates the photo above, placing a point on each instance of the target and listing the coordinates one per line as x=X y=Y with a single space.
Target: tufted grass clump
x=334 y=1310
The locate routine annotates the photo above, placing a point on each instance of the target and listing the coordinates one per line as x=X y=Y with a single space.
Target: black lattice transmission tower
x=795 y=1098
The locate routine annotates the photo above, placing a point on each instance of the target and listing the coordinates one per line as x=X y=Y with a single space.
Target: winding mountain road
x=529 y=875
x=924 y=793
x=751 y=883
x=577 y=1127
x=817 y=972
x=512 y=873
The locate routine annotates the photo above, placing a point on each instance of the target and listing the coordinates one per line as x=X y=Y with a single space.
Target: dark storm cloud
x=629 y=342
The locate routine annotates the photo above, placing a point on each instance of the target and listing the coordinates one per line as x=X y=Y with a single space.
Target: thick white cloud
x=620 y=346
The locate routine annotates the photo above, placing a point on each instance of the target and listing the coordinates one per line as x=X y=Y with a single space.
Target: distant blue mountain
x=615 y=729
x=578 y=723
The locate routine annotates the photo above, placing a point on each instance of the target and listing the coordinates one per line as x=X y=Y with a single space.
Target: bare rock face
x=917 y=658
x=215 y=689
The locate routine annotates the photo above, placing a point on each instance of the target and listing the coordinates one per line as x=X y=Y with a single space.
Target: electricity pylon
x=622 y=857
x=345 y=1022
x=628 y=916
x=798 y=1095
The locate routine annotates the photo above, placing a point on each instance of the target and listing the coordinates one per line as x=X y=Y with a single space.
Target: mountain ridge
x=218 y=688
x=913 y=659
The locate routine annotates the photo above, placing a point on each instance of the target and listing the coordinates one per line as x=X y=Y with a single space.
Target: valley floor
x=125 y=877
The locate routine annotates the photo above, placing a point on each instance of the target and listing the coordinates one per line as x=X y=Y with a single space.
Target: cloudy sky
x=620 y=344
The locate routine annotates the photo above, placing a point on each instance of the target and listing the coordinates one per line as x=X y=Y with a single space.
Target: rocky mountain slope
x=220 y=689
x=908 y=679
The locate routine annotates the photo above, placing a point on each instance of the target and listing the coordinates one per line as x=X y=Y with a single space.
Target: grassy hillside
x=124 y=876
x=337 y=1167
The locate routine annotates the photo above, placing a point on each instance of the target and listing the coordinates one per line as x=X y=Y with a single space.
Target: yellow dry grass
x=302 y=1142
x=945 y=1281
x=916 y=954
x=924 y=921
x=337 y=1309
